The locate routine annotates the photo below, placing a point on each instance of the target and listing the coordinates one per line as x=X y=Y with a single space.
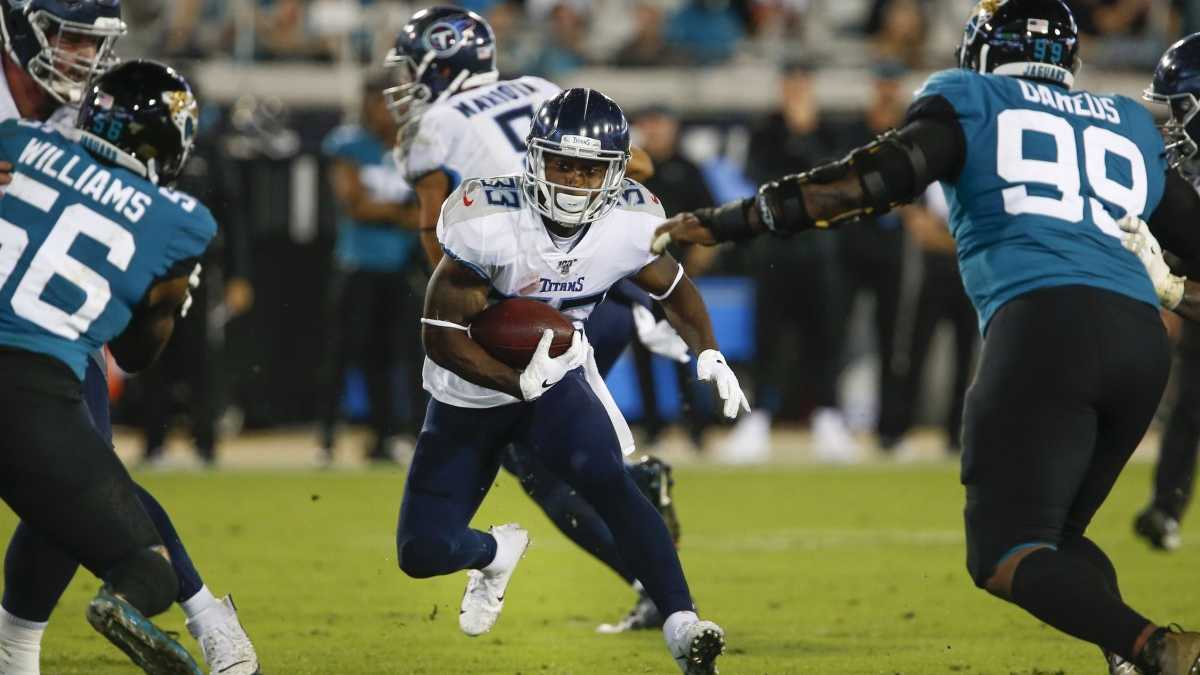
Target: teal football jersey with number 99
x=1048 y=172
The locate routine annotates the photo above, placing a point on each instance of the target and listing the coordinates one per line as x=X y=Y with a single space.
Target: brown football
x=510 y=330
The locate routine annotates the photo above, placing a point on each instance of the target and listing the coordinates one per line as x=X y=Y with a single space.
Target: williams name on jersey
x=81 y=242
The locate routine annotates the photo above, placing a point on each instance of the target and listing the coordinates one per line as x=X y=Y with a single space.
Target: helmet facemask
x=1184 y=108
x=58 y=67
x=568 y=205
x=410 y=97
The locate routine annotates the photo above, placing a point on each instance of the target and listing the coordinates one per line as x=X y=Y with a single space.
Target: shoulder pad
x=541 y=83
x=480 y=197
x=635 y=197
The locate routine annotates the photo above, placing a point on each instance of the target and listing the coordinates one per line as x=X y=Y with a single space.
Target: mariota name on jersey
x=508 y=91
x=99 y=184
x=1082 y=104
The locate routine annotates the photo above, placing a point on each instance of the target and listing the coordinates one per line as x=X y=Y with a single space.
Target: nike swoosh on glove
x=1138 y=239
x=711 y=367
x=543 y=371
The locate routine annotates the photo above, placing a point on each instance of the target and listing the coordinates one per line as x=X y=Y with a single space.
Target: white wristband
x=671 y=289
x=443 y=324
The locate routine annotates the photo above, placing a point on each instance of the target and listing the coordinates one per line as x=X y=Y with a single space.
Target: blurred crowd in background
x=860 y=334
x=553 y=37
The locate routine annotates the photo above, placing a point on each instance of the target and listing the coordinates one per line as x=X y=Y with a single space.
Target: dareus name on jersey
x=99 y=184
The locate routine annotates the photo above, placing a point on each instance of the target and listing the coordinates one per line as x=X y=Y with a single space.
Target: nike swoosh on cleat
x=232 y=665
x=546 y=384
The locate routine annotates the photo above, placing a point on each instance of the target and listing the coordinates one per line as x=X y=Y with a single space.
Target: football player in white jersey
x=459 y=121
x=562 y=232
x=51 y=49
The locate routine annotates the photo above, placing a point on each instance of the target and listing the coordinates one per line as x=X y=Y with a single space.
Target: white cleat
x=226 y=647
x=695 y=645
x=484 y=597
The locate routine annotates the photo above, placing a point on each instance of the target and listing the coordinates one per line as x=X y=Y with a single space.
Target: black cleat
x=145 y=644
x=653 y=478
x=1158 y=528
x=1171 y=651
x=643 y=616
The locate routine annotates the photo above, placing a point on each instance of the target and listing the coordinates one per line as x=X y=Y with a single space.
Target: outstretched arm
x=892 y=170
x=666 y=283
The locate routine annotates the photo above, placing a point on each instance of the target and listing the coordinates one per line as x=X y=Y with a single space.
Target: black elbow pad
x=896 y=168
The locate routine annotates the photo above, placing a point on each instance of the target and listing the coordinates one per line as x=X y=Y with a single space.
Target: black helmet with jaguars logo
x=140 y=115
x=1034 y=39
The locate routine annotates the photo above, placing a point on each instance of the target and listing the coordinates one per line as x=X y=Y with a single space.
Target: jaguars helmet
x=61 y=44
x=439 y=52
x=140 y=115
x=1035 y=39
x=1176 y=84
x=576 y=123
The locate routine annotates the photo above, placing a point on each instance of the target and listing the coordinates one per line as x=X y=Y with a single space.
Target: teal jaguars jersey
x=81 y=242
x=1047 y=174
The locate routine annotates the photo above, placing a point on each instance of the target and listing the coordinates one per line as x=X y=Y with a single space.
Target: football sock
x=190 y=582
x=200 y=601
x=20 y=645
x=1074 y=597
x=17 y=631
x=1084 y=549
x=36 y=573
x=677 y=619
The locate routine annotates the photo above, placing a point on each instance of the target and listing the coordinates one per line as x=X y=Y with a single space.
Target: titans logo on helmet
x=444 y=39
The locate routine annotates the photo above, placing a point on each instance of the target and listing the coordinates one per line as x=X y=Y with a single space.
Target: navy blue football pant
x=610 y=329
x=569 y=432
x=37 y=572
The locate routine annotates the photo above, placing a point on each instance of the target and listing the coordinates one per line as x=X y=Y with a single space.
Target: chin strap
x=111 y=153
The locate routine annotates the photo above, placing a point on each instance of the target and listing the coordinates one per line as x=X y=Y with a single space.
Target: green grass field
x=810 y=570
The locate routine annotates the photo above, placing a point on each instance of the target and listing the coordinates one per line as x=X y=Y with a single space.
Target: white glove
x=1139 y=241
x=658 y=336
x=193 y=282
x=544 y=372
x=711 y=367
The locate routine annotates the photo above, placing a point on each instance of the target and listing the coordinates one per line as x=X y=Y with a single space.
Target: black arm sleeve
x=893 y=169
x=933 y=125
x=1176 y=221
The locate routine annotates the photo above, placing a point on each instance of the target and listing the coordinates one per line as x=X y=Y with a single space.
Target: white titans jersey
x=478 y=132
x=487 y=226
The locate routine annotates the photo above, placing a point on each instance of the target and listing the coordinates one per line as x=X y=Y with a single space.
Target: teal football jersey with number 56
x=1048 y=172
x=81 y=242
